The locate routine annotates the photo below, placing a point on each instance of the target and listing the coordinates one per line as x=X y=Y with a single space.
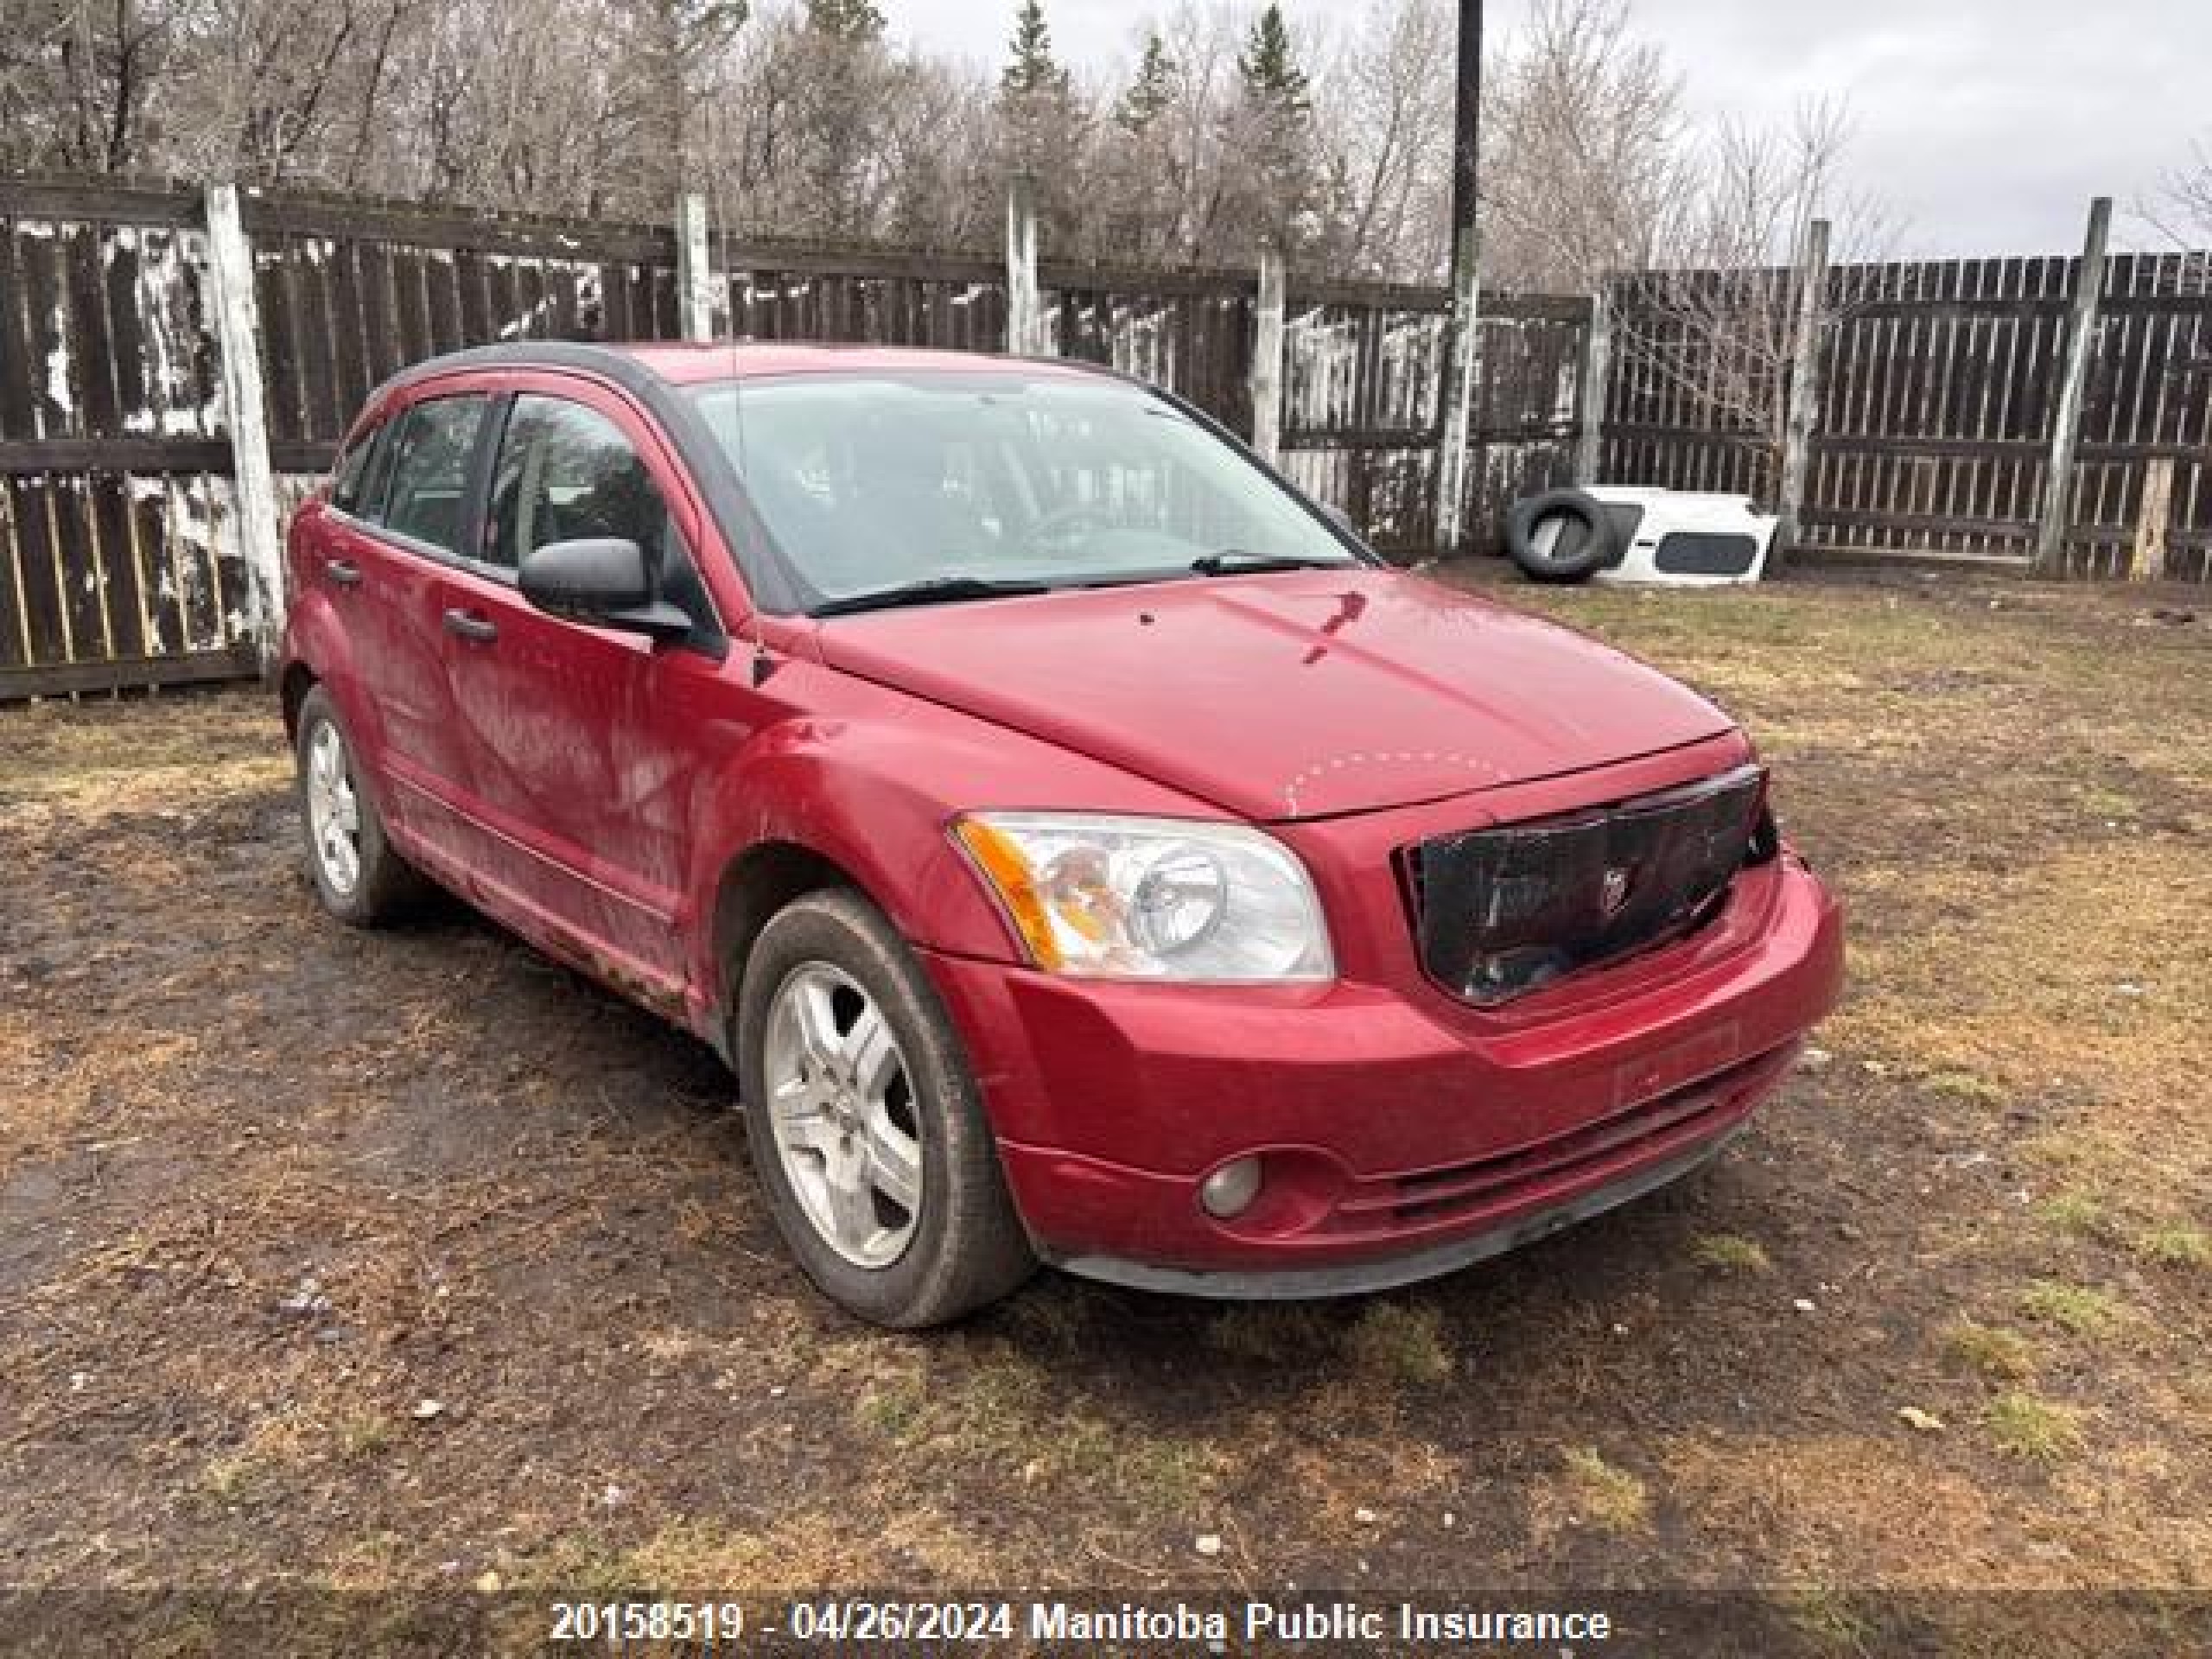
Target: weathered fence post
x=1267 y=359
x=245 y=415
x=2066 y=423
x=1458 y=395
x=1811 y=299
x=2148 y=563
x=1025 y=330
x=695 y=276
x=1590 y=394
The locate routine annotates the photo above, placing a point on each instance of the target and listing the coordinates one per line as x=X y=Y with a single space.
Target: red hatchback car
x=1081 y=848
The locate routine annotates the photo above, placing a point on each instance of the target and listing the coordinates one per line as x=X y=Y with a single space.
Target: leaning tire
x=866 y=1127
x=1559 y=535
x=358 y=876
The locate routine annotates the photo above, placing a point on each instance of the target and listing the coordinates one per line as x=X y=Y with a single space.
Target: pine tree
x=840 y=68
x=1268 y=67
x=1146 y=97
x=850 y=20
x=1031 y=69
x=676 y=39
x=1272 y=192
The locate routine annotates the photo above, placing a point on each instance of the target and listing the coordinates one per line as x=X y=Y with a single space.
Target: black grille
x=1504 y=910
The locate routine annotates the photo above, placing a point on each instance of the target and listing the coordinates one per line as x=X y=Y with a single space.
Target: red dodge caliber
x=1081 y=848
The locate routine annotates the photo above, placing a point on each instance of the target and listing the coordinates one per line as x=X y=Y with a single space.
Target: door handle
x=472 y=625
x=344 y=572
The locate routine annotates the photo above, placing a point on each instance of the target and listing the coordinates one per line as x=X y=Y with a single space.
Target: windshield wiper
x=937 y=590
x=1239 y=561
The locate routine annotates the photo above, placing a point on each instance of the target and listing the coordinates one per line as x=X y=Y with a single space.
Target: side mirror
x=603 y=581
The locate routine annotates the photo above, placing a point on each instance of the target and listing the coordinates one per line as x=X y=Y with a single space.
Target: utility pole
x=1459 y=357
x=1466 y=122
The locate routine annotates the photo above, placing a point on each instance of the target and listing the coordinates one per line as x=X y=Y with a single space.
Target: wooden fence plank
x=244 y=416
x=2065 y=427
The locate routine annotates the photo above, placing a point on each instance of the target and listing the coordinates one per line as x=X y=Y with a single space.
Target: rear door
x=393 y=531
x=584 y=746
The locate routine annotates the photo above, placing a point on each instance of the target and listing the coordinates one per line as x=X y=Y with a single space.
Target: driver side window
x=566 y=472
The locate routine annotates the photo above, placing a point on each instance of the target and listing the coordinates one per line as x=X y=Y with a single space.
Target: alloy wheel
x=841 y=1109
x=334 y=811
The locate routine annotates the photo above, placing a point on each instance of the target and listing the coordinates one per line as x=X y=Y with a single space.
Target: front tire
x=358 y=876
x=866 y=1127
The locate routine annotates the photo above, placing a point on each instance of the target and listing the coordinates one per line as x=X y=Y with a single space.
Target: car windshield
x=957 y=485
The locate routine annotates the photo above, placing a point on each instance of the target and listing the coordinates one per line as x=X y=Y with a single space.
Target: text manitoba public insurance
x=1336 y=1621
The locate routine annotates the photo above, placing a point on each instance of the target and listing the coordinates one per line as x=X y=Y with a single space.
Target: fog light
x=1230 y=1189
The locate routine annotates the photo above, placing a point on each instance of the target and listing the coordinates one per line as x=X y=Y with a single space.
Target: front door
x=584 y=747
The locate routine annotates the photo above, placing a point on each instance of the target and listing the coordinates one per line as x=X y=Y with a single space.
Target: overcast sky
x=1987 y=124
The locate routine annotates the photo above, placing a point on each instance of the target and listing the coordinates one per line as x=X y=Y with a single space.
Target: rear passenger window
x=430 y=469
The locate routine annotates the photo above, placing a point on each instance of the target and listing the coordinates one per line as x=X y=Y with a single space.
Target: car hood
x=1302 y=695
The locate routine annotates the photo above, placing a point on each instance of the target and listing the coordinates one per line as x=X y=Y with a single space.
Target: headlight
x=1151 y=897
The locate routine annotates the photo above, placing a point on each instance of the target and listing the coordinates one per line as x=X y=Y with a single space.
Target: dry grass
x=524 y=1201
x=1401 y=1344
x=1989 y=1351
x=2078 y=1212
x=2176 y=1246
x=1269 y=1332
x=1602 y=1495
x=101 y=757
x=1829 y=1617
x=2026 y=1426
x=2078 y=1309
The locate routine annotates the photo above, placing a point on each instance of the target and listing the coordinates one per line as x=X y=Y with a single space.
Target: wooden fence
x=1938 y=408
x=122 y=559
x=126 y=558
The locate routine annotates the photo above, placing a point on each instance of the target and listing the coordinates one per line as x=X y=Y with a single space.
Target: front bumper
x=1404 y=1134
x=1388 y=1273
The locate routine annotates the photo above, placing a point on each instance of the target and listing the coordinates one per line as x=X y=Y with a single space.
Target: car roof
x=680 y=364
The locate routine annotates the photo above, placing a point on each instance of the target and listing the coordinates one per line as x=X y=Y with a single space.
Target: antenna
x=763 y=664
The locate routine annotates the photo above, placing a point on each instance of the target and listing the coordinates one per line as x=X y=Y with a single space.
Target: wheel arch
x=754 y=885
x=292 y=688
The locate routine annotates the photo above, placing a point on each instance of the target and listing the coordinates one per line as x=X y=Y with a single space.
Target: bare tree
x=1226 y=129
x=469 y=122
x=1199 y=43
x=1387 y=98
x=76 y=77
x=1716 y=317
x=936 y=146
x=1587 y=157
x=2181 y=207
x=1140 y=170
x=256 y=93
x=676 y=46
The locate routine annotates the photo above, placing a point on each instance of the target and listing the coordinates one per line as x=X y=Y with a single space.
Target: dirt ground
x=350 y=1284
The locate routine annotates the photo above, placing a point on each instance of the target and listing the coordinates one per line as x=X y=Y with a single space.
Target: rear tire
x=866 y=1127
x=358 y=876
